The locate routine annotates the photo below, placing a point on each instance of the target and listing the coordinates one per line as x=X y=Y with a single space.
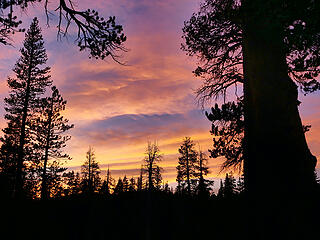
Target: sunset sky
x=116 y=109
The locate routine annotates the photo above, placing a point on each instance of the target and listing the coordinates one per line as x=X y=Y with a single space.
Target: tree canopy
x=215 y=33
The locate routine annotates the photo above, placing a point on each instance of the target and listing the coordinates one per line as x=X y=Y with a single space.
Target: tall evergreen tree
x=49 y=129
x=187 y=163
x=90 y=171
x=151 y=167
x=221 y=190
x=32 y=78
x=204 y=185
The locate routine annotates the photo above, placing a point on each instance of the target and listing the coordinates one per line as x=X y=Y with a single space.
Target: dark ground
x=145 y=216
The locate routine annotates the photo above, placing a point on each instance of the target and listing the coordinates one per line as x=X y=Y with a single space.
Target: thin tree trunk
x=44 y=187
x=89 y=173
x=108 y=180
x=150 y=175
x=188 y=172
x=18 y=187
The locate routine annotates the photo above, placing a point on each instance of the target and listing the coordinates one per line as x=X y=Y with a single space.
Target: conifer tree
x=221 y=190
x=90 y=171
x=204 y=185
x=228 y=131
x=181 y=185
x=30 y=81
x=107 y=184
x=140 y=180
x=49 y=128
x=132 y=185
x=187 y=163
x=119 y=187
x=72 y=181
x=229 y=189
x=240 y=185
x=153 y=157
x=125 y=183
x=157 y=178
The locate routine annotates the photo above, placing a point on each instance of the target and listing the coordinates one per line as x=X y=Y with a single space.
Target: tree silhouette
x=228 y=131
x=187 y=163
x=157 y=178
x=228 y=188
x=90 y=171
x=153 y=157
x=270 y=47
x=140 y=180
x=30 y=81
x=49 y=128
x=72 y=181
x=204 y=185
x=107 y=184
x=119 y=187
x=125 y=184
x=240 y=185
x=101 y=37
x=132 y=185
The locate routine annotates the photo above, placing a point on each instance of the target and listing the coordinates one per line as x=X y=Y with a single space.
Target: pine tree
x=125 y=183
x=153 y=157
x=49 y=129
x=240 y=185
x=229 y=189
x=221 y=190
x=32 y=78
x=72 y=182
x=228 y=131
x=140 y=180
x=54 y=180
x=157 y=178
x=187 y=163
x=180 y=189
x=90 y=171
x=132 y=185
x=204 y=185
x=119 y=187
x=107 y=184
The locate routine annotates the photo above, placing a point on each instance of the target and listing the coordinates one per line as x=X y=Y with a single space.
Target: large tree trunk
x=278 y=161
x=279 y=167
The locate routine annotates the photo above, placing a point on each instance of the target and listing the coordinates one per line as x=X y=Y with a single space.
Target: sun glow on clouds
x=116 y=109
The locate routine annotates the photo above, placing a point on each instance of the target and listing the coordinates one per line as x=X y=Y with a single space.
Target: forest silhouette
x=269 y=48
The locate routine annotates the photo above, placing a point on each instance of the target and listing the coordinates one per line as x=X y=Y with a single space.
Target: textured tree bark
x=278 y=161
